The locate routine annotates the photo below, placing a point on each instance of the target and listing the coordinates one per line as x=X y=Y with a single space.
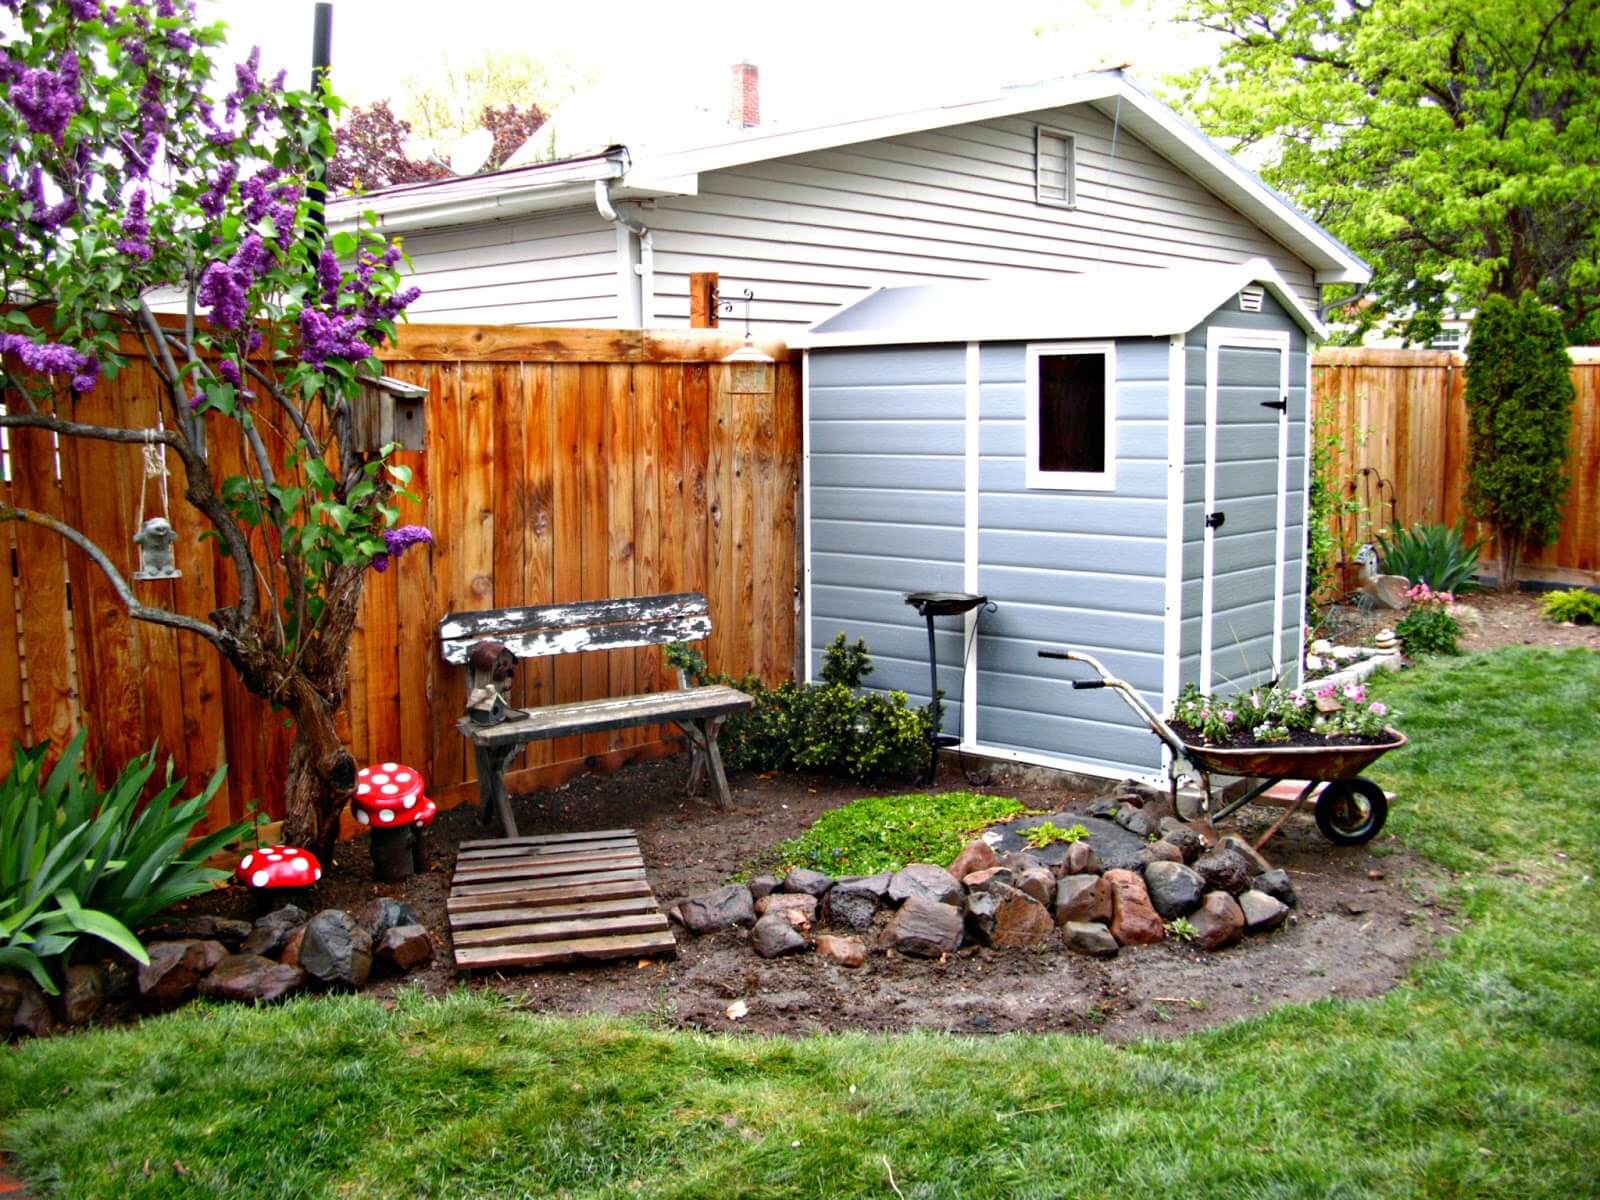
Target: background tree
x=447 y=100
x=370 y=152
x=1519 y=398
x=1455 y=144
x=125 y=178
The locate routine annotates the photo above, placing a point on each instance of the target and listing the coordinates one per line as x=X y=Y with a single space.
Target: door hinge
x=1215 y=520
x=1281 y=405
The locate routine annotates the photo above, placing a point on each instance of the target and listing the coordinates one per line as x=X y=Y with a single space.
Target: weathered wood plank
x=626 y=610
x=597 y=637
x=547 y=839
x=538 y=897
x=629 y=945
x=567 y=516
x=619 y=530
x=534 y=344
x=619 y=875
x=536 y=679
x=491 y=917
x=594 y=716
x=10 y=633
x=42 y=579
x=556 y=931
x=583 y=864
x=646 y=525
x=447 y=427
x=464 y=857
x=596 y=566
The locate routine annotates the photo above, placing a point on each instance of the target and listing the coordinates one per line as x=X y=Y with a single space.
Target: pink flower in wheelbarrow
x=1228 y=716
x=1378 y=709
x=1354 y=691
x=398 y=540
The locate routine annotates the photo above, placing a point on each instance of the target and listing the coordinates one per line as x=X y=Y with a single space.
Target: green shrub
x=829 y=727
x=1428 y=628
x=1576 y=605
x=884 y=833
x=1519 y=397
x=1436 y=555
x=76 y=862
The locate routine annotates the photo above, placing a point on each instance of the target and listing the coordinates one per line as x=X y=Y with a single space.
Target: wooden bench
x=575 y=628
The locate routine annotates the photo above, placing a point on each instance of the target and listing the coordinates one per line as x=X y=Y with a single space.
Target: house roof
x=643 y=171
x=1110 y=302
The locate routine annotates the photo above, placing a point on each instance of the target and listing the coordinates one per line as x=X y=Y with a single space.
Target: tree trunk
x=1510 y=561
x=320 y=781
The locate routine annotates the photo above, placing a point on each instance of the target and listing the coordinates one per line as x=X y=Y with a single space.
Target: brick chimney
x=744 y=97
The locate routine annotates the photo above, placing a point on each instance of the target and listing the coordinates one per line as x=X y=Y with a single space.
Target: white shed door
x=1247 y=444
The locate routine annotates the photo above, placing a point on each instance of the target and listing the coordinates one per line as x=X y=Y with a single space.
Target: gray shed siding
x=814 y=231
x=1081 y=569
x=886 y=444
x=1247 y=448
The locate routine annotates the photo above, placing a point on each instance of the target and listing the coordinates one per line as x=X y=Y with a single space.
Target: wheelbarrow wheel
x=1351 y=811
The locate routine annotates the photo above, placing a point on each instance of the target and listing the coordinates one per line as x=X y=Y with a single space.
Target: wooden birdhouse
x=386 y=410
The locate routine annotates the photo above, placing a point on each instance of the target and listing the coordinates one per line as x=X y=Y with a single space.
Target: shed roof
x=1112 y=302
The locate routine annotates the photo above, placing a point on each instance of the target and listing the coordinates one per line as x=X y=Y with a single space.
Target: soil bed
x=1361 y=920
x=1499 y=620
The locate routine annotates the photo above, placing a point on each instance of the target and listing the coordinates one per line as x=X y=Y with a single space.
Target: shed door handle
x=1280 y=405
x=1215 y=520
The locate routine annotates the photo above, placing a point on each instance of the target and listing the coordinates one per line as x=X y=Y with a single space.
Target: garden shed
x=1117 y=460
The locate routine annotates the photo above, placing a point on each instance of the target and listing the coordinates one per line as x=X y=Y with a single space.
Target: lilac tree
x=130 y=180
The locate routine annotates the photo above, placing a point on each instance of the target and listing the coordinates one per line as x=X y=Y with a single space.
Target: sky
x=842 y=57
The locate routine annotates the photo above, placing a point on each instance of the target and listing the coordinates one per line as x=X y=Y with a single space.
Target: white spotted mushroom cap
x=388 y=794
x=279 y=867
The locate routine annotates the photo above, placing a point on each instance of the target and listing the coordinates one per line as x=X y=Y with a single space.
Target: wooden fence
x=1401 y=412
x=560 y=465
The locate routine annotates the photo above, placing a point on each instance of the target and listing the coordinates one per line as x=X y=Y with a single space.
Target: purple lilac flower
x=52 y=358
x=222 y=291
x=228 y=371
x=136 y=229
x=213 y=198
x=48 y=99
x=323 y=337
x=85 y=10
x=328 y=275
x=398 y=540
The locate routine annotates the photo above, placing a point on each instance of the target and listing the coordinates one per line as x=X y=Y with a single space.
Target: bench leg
x=713 y=757
x=492 y=787
x=697 y=757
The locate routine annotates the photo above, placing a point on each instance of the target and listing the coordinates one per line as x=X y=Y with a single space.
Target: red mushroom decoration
x=389 y=798
x=272 y=867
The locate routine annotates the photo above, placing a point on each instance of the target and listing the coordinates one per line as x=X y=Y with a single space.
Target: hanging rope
x=155 y=466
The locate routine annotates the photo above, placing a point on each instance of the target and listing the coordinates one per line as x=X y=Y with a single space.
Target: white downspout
x=645 y=272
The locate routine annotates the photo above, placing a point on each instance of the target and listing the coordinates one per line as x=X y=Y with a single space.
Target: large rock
x=1080 y=859
x=811 y=883
x=976 y=855
x=846 y=951
x=1261 y=911
x=1081 y=898
x=175 y=970
x=721 y=909
x=1254 y=863
x=1275 y=883
x=273 y=930
x=1134 y=921
x=773 y=935
x=877 y=884
x=853 y=903
x=23 y=1007
x=83 y=993
x=1160 y=852
x=1224 y=870
x=200 y=927
x=764 y=885
x=1039 y=883
x=1218 y=922
x=927 y=882
x=1113 y=845
x=250 y=978
x=796 y=902
x=1136 y=793
x=1086 y=937
x=1135 y=821
x=403 y=949
x=1175 y=890
x=923 y=927
x=336 y=951
x=1021 y=921
x=983 y=908
x=978 y=881
x=379 y=916
x=1190 y=845
x=290 y=955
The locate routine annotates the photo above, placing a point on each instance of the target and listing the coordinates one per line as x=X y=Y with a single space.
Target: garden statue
x=154 y=539
x=490 y=667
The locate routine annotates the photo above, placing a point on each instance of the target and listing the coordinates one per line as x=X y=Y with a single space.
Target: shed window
x=1071 y=419
x=1054 y=171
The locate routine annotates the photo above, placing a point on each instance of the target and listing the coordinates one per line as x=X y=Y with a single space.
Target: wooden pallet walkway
x=559 y=898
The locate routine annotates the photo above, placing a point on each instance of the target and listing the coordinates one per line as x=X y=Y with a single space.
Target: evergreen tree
x=1519 y=411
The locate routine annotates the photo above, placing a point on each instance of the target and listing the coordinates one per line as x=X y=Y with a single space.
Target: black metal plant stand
x=930 y=605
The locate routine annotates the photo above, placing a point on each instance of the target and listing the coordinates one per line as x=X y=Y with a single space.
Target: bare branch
x=140 y=612
x=104 y=433
x=313 y=446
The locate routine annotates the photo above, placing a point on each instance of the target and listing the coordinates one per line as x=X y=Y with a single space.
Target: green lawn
x=1480 y=1077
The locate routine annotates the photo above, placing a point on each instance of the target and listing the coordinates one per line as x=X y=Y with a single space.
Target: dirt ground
x=1361 y=920
x=1501 y=620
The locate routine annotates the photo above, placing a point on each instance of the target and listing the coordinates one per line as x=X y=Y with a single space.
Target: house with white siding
x=1058 y=178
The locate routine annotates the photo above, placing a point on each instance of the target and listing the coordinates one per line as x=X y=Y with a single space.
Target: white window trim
x=1071 y=168
x=1070 y=481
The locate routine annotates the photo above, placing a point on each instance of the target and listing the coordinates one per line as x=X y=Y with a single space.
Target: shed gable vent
x=1054 y=167
x=1250 y=299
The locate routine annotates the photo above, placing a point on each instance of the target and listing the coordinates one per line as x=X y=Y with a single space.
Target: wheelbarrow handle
x=1079 y=685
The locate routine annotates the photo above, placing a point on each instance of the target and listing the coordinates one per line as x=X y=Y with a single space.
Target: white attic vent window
x=1250 y=299
x=1054 y=167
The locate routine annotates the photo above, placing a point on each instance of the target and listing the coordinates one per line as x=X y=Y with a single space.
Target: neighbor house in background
x=1052 y=179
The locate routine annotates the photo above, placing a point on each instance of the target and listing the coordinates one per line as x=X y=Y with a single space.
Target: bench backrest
x=587 y=625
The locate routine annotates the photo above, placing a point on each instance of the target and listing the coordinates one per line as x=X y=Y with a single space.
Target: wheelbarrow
x=1349 y=809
